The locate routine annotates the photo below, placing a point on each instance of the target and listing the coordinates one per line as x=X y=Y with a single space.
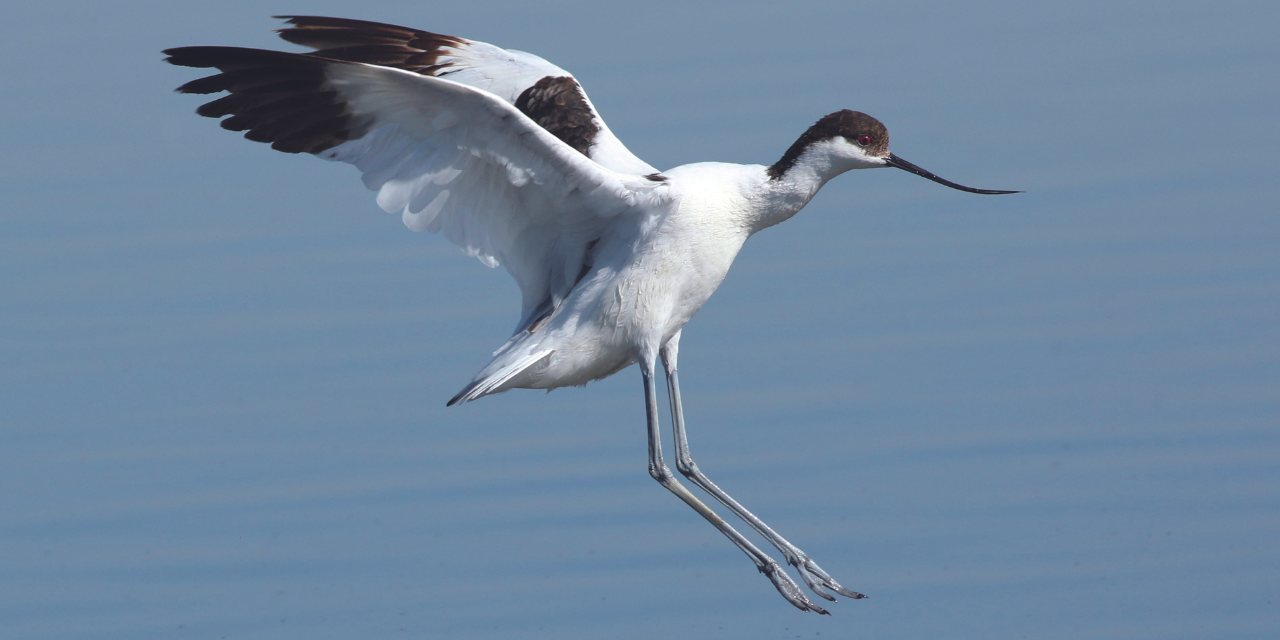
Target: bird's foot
x=819 y=580
x=789 y=589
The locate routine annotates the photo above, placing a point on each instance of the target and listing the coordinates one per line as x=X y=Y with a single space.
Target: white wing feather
x=463 y=162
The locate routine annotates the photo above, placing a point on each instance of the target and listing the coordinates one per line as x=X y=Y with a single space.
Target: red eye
x=864 y=140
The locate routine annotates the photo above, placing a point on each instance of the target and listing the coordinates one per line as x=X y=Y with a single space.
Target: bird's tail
x=509 y=362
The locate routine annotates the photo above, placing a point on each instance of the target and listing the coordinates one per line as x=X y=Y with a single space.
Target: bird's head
x=854 y=140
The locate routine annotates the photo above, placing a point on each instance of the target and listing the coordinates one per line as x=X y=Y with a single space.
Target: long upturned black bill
x=895 y=161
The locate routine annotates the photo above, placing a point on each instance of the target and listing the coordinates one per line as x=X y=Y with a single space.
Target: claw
x=809 y=579
x=818 y=589
x=789 y=590
x=816 y=578
x=834 y=586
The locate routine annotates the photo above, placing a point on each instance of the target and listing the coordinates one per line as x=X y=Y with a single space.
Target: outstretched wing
x=450 y=158
x=549 y=95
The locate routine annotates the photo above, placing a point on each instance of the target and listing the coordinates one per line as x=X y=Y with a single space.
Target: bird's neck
x=785 y=192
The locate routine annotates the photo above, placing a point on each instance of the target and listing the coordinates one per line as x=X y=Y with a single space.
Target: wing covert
x=519 y=78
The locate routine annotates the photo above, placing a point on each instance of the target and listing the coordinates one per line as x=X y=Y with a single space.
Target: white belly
x=632 y=305
x=650 y=275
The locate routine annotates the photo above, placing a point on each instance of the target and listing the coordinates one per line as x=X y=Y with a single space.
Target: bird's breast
x=669 y=277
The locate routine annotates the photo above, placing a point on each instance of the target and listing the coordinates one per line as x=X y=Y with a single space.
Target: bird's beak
x=894 y=161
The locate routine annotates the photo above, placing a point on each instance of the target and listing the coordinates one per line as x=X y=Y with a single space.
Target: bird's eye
x=864 y=140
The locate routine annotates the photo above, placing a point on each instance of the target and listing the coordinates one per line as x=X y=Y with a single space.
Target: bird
x=502 y=153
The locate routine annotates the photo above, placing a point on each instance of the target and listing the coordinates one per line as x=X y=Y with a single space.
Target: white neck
x=784 y=196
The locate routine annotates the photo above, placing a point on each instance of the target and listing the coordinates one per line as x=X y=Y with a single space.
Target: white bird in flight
x=502 y=153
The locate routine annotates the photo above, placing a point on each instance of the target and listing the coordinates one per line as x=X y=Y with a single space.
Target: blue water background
x=1053 y=415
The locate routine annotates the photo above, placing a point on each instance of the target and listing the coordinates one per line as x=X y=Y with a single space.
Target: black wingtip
x=196 y=57
x=296 y=21
x=172 y=53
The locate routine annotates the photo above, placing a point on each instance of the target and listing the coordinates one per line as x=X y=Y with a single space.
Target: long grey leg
x=813 y=575
x=658 y=469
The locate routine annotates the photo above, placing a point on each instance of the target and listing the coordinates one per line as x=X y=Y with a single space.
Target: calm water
x=1052 y=415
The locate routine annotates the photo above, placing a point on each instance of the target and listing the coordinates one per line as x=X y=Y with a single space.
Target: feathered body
x=652 y=272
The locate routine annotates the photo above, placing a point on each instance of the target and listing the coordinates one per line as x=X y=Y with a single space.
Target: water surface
x=1051 y=415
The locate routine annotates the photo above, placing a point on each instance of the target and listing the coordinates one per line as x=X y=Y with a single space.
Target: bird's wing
x=549 y=95
x=450 y=158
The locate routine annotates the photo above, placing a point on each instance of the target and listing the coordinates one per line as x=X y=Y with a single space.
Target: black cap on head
x=855 y=126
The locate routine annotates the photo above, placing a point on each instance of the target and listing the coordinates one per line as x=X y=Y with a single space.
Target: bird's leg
x=813 y=575
x=658 y=469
